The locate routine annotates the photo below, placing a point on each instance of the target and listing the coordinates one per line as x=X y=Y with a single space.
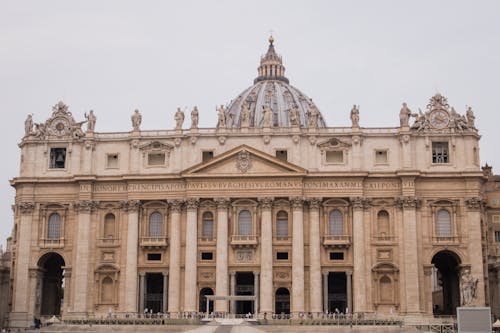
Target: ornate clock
x=60 y=126
x=439 y=119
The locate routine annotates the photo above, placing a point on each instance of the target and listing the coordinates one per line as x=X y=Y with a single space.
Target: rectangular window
x=497 y=236
x=156 y=159
x=57 y=158
x=112 y=161
x=282 y=255
x=154 y=256
x=282 y=155
x=336 y=255
x=207 y=156
x=440 y=152
x=381 y=157
x=207 y=256
x=335 y=157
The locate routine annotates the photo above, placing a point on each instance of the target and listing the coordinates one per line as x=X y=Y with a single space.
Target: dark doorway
x=337 y=292
x=446 y=294
x=52 y=284
x=203 y=301
x=154 y=292
x=282 y=301
x=244 y=287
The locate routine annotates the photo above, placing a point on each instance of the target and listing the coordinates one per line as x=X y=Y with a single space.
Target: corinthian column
x=174 y=280
x=314 y=256
x=19 y=316
x=358 y=242
x=191 y=262
x=81 y=267
x=133 y=207
x=266 y=257
x=221 y=273
x=297 y=257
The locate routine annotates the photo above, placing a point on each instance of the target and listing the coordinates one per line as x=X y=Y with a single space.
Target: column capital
x=26 y=207
x=348 y=273
x=474 y=203
x=130 y=205
x=256 y=273
x=325 y=273
x=297 y=202
x=192 y=203
x=314 y=203
x=222 y=203
x=408 y=202
x=428 y=269
x=232 y=273
x=175 y=205
x=358 y=203
x=266 y=202
x=85 y=206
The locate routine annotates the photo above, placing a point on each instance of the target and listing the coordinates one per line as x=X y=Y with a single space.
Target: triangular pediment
x=244 y=161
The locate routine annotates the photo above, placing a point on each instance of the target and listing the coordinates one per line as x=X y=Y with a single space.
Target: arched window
x=155 y=225
x=282 y=224
x=443 y=223
x=245 y=223
x=336 y=223
x=107 y=290
x=386 y=290
x=54 y=226
x=383 y=223
x=207 y=225
x=109 y=226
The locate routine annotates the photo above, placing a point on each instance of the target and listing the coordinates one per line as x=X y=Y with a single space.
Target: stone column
x=256 y=292
x=409 y=205
x=19 y=316
x=358 y=242
x=473 y=228
x=142 y=291
x=297 y=257
x=165 y=292
x=133 y=207
x=232 y=283
x=428 y=269
x=314 y=256
x=191 y=262
x=349 y=290
x=174 y=279
x=81 y=267
x=266 y=257
x=325 y=292
x=222 y=266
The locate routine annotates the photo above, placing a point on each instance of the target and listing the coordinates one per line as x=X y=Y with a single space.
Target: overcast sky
x=116 y=56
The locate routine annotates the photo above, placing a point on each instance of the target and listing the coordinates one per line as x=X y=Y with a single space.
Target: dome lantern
x=271 y=66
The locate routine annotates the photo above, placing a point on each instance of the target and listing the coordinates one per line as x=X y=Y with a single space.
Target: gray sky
x=115 y=56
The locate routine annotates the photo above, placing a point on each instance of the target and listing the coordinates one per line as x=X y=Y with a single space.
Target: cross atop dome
x=271 y=66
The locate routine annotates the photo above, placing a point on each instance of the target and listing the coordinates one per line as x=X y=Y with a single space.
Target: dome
x=272 y=92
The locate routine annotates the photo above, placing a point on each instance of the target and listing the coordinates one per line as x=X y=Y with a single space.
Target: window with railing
x=245 y=223
x=155 y=225
x=336 y=223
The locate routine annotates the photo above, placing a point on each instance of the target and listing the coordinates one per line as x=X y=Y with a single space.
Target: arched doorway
x=282 y=301
x=203 y=301
x=446 y=285
x=52 y=293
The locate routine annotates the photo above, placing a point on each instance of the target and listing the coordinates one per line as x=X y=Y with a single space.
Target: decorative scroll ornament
x=314 y=203
x=297 y=202
x=175 y=205
x=222 y=203
x=408 y=202
x=26 y=207
x=192 y=203
x=266 y=203
x=86 y=206
x=474 y=203
x=243 y=161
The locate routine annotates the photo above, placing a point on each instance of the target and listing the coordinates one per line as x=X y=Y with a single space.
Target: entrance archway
x=52 y=284
x=282 y=301
x=446 y=285
x=203 y=300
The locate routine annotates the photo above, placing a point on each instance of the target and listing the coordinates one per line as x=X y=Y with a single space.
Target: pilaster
x=191 y=262
x=314 y=256
x=297 y=305
x=174 y=280
x=222 y=264
x=266 y=259
x=132 y=207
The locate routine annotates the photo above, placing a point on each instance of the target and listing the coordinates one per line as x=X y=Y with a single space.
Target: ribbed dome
x=271 y=90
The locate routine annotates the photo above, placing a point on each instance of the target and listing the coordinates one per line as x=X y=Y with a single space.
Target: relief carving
x=281 y=275
x=243 y=161
x=244 y=256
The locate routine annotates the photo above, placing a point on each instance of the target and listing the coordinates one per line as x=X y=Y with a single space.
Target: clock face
x=60 y=126
x=439 y=119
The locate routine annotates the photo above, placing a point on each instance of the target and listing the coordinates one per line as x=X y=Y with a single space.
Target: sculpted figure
x=194 y=117
x=404 y=115
x=91 y=119
x=222 y=116
x=293 y=116
x=313 y=117
x=179 y=119
x=28 y=125
x=39 y=131
x=136 y=120
x=266 y=116
x=355 y=116
x=470 y=118
x=244 y=114
x=468 y=288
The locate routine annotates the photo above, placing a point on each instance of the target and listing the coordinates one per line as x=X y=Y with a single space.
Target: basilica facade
x=270 y=203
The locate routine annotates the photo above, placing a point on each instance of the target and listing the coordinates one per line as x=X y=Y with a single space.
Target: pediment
x=244 y=161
